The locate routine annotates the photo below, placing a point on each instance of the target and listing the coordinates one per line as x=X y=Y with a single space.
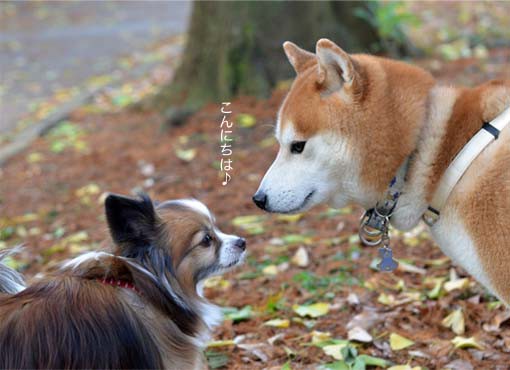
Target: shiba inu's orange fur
x=384 y=97
x=382 y=112
x=472 y=106
x=482 y=199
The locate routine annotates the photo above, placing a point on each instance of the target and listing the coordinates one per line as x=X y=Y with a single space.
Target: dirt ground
x=51 y=200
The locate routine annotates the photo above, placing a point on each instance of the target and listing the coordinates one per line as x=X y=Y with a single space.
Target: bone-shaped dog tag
x=387 y=264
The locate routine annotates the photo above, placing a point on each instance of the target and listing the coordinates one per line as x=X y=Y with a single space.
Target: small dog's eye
x=297 y=147
x=207 y=240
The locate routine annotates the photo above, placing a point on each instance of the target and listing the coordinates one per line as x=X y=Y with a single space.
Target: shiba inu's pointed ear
x=336 y=69
x=133 y=223
x=298 y=57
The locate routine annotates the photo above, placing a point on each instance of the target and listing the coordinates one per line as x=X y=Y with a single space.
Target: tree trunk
x=236 y=47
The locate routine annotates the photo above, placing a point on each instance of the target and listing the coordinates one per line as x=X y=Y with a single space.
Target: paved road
x=46 y=46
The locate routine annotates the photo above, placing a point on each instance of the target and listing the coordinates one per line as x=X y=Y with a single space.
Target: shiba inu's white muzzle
x=297 y=182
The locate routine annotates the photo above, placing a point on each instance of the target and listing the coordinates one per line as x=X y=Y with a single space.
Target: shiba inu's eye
x=297 y=147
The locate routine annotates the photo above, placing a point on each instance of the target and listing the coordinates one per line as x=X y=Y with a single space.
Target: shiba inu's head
x=316 y=160
x=336 y=131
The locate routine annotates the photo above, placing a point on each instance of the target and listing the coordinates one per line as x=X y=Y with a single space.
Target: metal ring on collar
x=381 y=215
x=370 y=243
x=372 y=231
x=369 y=236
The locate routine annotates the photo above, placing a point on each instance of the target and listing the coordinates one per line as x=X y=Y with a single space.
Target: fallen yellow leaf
x=320 y=336
x=462 y=342
x=35 y=157
x=270 y=270
x=334 y=350
x=455 y=321
x=408 y=267
x=456 y=284
x=290 y=218
x=220 y=343
x=301 y=258
x=312 y=310
x=216 y=282
x=405 y=367
x=246 y=120
x=186 y=155
x=278 y=323
x=386 y=299
x=435 y=292
x=80 y=236
x=90 y=189
x=398 y=342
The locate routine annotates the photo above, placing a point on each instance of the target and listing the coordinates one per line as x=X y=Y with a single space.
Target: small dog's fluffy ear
x=133 y=223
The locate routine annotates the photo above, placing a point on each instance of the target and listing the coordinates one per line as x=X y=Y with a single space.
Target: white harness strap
x=461 y=162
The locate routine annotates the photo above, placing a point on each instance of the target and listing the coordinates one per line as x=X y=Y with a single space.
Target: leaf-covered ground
x=308 y=295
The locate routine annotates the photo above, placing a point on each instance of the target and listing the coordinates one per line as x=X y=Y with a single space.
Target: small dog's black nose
x=260 y=199
x=241 y=244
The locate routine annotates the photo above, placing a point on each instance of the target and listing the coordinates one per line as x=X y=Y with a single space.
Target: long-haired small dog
x=138 y=307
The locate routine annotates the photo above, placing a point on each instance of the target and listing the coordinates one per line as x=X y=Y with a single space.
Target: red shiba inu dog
x=139 y=307
x=350 y=123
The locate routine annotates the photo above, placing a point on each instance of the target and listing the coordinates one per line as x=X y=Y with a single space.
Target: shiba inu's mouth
x=303 y=205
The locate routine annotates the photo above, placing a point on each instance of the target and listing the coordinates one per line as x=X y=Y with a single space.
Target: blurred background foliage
x=241 y=54
x=49 y=52
x=235 y=48
x=390 y=19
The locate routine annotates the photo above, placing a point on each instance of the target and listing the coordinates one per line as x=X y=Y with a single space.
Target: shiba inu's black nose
x=241 y=244
x=260 y=199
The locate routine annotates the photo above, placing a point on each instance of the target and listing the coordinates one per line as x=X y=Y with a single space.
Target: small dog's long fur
x=137 y=307
x=11 y=282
